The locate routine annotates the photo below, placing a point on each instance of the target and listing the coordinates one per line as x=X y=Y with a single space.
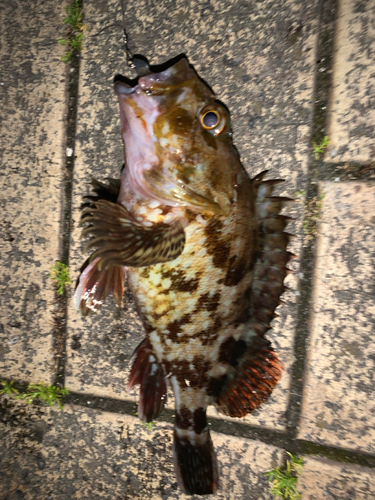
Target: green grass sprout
x=75 y=30
x=60 y=274
x=320 y=148
x=284 y=482
x=8 y=388
x=149 y=425
x=312 y=216
x=49 y=394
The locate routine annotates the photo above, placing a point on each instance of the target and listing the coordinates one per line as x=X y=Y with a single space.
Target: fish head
x=177 y=140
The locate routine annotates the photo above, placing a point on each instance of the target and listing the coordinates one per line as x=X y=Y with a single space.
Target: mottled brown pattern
x=216 y=245
x=207 y=302
x=226 y=349
x=180 y=282
x=190 y=215
x=145 y=272
x=184 y=417
x=210 y=141
x=174 y=327
x=196 y=375
x=200 y=420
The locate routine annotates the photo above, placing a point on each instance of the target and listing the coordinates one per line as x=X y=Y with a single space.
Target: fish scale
x=204 y=250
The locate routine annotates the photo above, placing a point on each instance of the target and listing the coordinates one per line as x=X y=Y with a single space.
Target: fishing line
x=125 y=45
x=134 y=61
x=125 y=38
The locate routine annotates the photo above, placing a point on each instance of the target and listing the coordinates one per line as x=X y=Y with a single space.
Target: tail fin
x=195 y=462
x=95 y=284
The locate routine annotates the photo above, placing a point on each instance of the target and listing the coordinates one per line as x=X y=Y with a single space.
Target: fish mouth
x=154 y=79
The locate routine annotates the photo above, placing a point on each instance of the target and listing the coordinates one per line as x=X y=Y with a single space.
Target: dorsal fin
x=255 y=367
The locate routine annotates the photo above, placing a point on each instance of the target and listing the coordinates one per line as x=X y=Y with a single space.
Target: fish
x=204 y=250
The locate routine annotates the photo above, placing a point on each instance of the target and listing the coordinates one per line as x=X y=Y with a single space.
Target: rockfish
x=204 y=250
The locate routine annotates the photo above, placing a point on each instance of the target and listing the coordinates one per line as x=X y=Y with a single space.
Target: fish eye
x=214 y=118
x=210 y=119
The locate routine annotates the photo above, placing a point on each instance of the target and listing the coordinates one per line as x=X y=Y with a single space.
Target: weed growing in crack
x=75 y=30
x=284 y=482
x=46 y=393
x=320 y=148
x=300 y=194
x=49 y=394
x=8 y=388
x=312 y=216
x=60 y=274
x=149 y=425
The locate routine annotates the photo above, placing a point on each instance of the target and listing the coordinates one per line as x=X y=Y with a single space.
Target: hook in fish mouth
x=141 y=65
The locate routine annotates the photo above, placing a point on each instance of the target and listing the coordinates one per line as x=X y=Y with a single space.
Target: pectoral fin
x=119 y=240
x=95 y=284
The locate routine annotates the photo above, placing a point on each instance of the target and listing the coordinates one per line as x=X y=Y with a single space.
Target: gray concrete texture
x=33 y=109
x=352 y=107
x=86 y=454
x=260 y=59
x=338 y=406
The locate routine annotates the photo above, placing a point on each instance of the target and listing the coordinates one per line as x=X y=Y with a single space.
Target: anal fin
x=95 y=284
x=147 y=372
x=251 y=382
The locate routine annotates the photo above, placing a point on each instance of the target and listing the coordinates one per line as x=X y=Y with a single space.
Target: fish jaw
x=137 y=134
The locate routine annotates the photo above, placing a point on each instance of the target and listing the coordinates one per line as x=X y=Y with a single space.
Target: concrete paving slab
x=322 y=479
x=34 y=106
x=265 y=77
x=351 y=119
x=338 y=405
x=87 y=454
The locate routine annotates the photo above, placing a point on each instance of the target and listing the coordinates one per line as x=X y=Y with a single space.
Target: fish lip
x=175 y=69
x=175 y=74
x=123 y=88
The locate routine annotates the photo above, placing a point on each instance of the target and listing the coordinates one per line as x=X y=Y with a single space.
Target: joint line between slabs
x=278 y=438
x=327 y=17
x=61 y=315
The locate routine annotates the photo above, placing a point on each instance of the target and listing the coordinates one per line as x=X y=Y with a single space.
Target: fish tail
x=95 y=284
x=194 y=459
